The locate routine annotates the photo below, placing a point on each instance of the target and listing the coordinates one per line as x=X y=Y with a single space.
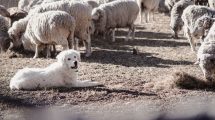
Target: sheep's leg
x=133 y=31
x=87 y=44
x=113 y=35
x=190 y=39
x=153 y=17
x=192 y=43
x=146 y=16
x=48 y=51
x=36 y=51
x=76 y=42
x=65 y=45
x=54 y=51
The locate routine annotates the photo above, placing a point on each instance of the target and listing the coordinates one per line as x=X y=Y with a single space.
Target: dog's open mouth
x=75 y=67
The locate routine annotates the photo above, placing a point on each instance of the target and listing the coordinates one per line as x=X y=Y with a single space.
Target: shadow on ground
x=126 y=58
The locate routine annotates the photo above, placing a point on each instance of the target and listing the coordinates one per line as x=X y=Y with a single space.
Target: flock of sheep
x=39 y=25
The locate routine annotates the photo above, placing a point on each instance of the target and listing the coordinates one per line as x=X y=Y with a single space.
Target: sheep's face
x=201 y=26
x=208 y=68
x=99 y=19
x=4 y=43
x=15 y=38
x=4 y=12
x=69 y=58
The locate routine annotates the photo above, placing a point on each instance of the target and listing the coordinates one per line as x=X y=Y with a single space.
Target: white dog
x=63 y=73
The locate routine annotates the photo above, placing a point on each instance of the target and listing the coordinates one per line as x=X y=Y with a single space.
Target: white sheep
x=190 y=16
x=206 y=55
x=211 y=3
x=23 y=4
x=51 y=27
x=16 y=14
x=81 y=11
x=176 y=22
x=170 y=3
x=202 y=26
x=16 y=30
x=148 y=7
x=116 y=14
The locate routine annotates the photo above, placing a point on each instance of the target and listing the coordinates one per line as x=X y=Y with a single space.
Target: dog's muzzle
x=75 y=65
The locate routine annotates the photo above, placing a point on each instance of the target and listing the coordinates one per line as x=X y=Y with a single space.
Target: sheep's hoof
x=35 y=57
x=196 y=63
x=174 y=37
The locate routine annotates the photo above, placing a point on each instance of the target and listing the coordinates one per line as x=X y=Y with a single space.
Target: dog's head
x=69 y=58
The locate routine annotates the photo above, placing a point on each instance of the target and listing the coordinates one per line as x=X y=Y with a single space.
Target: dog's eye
x=69 y=58
x=74 y=56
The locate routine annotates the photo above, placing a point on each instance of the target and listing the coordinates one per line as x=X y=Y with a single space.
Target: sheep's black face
x=4 y=43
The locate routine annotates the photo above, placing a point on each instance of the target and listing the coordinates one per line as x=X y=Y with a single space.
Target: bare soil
x=113 y=64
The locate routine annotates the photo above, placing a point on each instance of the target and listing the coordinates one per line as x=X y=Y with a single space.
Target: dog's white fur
x=62 y=73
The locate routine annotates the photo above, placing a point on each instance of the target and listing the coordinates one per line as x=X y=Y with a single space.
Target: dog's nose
x=76 y=63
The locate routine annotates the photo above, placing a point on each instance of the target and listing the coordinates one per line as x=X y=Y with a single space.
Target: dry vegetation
x=126 y=77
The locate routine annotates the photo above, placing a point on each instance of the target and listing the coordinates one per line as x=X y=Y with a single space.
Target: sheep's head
x=202 y=25
x=99 y=19
x=206 y=59
x=16 y=14
x=4 y=42
x=4 y=12
x=15 y=36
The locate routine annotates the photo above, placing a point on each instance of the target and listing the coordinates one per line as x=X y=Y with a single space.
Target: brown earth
x=123 y=74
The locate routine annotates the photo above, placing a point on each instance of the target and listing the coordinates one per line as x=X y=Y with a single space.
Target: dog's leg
x=85 y=83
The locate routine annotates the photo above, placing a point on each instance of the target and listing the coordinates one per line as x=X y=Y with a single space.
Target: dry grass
x=124 y=74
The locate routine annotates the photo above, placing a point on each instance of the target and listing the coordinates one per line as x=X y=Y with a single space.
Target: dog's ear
x=61 y=57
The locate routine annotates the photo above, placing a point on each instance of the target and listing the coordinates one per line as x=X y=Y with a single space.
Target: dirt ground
x=123 y=74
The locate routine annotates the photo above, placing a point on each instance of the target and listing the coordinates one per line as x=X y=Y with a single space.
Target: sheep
x=16 y=14
x=176 y=22
x=116 y=14
x=206 y=55
x=16 y=30
x=147 y=6
x=23 y=4
x=82 y=14
x=150 y=6
x=211 y=3
x=79 y=10
x=170 y=3
x=202 y=26
x=51 y=27
x=190 y=16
